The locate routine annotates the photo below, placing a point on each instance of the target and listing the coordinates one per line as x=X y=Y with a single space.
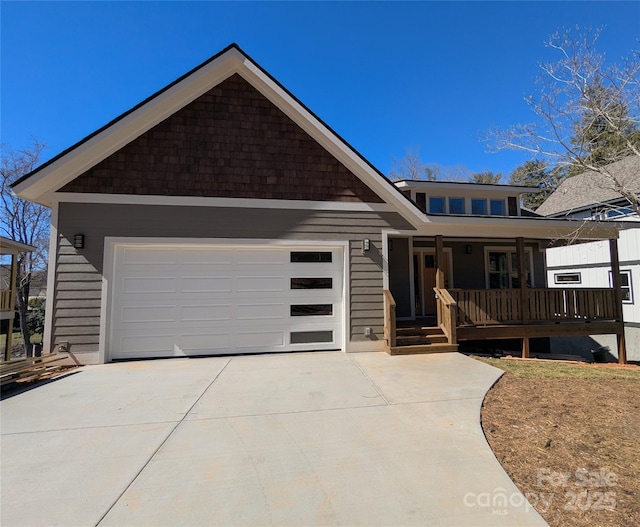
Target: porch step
x=419 y=336
x=419 y=330
x=408 y=340
x=423 y=348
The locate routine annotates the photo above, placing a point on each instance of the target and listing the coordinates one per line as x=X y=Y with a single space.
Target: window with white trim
x=502 y=267
x=625 y=285
x=567 y=278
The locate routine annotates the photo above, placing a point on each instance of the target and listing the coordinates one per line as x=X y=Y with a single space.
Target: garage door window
x=311 y=337
x=308 y=310
x=311 y=256
x=311 y=283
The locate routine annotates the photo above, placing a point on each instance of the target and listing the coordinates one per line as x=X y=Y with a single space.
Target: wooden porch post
x=522 y=277
x=524 y=296
x=12 y=305
x=439 y=272
x=615 y=278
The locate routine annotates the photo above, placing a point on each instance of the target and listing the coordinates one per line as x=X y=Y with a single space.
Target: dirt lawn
x=569 y=437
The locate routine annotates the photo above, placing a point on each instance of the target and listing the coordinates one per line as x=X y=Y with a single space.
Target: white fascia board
x=465 y=186
x=86 y=155
x=534 y=228
x=9 y=246
x=196 y=201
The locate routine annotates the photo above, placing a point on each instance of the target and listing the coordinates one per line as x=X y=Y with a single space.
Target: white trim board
x=196 y=201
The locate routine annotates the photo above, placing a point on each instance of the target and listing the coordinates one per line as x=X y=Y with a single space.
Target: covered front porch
x=443 y=291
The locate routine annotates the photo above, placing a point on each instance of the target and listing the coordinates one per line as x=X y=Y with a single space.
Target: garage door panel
x=205 y=342
x=137 y=345
x=262 y=284
x=199 y=300
x=260 y=340
x=206 y=313
x=207 y=257
x=142 y=313
x=260 y=312
x=164 y=284
x=149 y=256
x=207 y=284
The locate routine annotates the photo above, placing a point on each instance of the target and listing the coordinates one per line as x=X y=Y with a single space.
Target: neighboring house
x=222 y=216
x=590 y=196
x=9 y=249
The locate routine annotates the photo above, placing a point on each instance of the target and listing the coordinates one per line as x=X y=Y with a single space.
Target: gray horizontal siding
x=78 y=292
x=79 y=272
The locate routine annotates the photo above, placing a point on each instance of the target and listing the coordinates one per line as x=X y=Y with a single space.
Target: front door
x=424 y=268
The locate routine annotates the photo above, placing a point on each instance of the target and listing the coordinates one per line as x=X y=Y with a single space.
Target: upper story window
x=479 y=207
x=456 y=206
x=436 y=205
x=496 y=207
x=512 y=203
x=421 y=201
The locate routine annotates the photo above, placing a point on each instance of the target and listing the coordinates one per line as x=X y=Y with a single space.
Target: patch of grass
x=36 y=338
x=533 y=369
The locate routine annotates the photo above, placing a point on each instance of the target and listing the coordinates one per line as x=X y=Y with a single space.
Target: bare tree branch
x=24 y=222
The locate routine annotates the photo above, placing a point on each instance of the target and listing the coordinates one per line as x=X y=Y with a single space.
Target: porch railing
x=505 y=306
x=447 y=314
x=5 y=299
x=389 y=318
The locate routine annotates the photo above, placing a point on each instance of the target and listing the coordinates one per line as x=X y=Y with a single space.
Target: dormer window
x=456 y=206
x=496 y=207
x=436 y=205
x=479 y=207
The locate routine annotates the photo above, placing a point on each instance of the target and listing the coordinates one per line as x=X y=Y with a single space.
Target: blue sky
x=384 y=75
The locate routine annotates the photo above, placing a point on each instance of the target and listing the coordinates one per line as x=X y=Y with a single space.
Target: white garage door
x=205 y=300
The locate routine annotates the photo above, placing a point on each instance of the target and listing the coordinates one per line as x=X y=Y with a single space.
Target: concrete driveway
x=296 y=439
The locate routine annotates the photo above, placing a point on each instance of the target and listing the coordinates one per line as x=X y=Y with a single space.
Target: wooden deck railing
x=5 y=299
x=505 y=306
x=447 y=311
x=389 y=318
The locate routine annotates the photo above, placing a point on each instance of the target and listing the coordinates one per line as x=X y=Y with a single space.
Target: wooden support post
x=439 y=274
x=439 y=263
x=522 y=278
x=12 y=306
x=617 y=288
x=525 y=348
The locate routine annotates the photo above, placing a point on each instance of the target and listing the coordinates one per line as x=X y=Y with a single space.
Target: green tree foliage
x=601 y=138
x=35 y=316
x=587 y=112
x=536 y=174
x=485 y=178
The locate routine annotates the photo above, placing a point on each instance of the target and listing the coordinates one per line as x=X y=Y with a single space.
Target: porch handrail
x=505 y=306
x=447 y=309
x=389 y=318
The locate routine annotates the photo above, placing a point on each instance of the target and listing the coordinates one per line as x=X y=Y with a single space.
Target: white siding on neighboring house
x=591 y=262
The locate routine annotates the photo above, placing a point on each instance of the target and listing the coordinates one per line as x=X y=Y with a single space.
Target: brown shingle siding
x=230 y=142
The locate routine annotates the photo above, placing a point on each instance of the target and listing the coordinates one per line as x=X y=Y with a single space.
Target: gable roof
x=588 y=189
x=40 y=184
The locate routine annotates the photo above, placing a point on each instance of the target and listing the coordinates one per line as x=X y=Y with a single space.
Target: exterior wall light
x=366 y=245
x=78 y=241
